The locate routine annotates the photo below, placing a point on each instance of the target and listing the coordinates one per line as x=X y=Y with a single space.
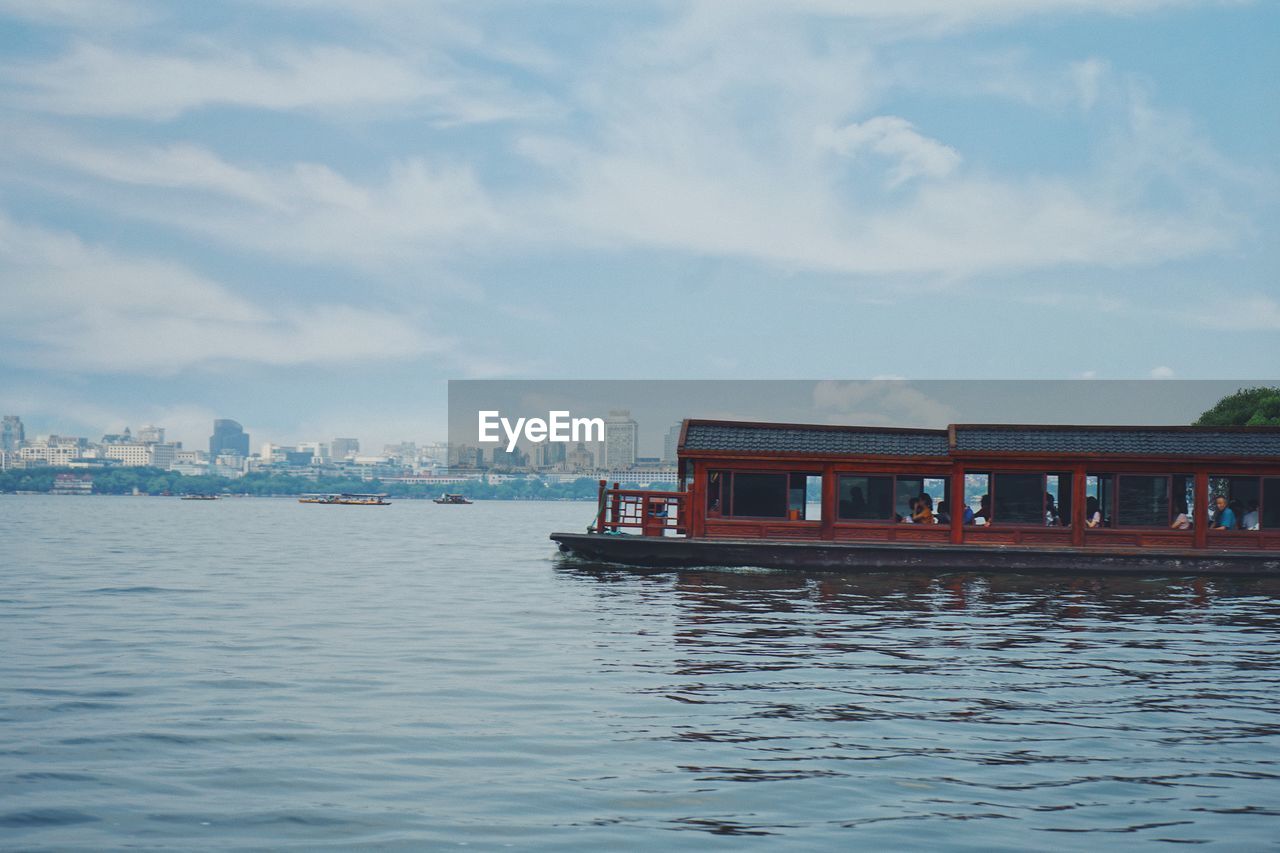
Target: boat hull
x=676 y=552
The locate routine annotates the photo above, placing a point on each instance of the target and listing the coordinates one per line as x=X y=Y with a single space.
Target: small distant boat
x=199 y=497
x=346 y=499
x=451 y=499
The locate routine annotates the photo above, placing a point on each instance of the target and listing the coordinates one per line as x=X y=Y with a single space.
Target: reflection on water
x=249 y=674
x=1044 y=704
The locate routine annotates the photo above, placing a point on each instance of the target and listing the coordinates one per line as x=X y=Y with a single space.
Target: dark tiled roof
x=819 y=441
x=1144 y=442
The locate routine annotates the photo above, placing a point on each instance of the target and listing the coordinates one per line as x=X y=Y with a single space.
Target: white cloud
x=1088 y=75
x=95 y=15
x=75 y=306
x=305 y=212
x=93 y=80
x=935 y=16
x=1240 y=313
x=894 y=138
x=880 y=402
x=1162 y=372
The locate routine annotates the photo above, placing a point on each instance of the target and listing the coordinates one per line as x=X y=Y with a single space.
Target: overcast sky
x=307 y=215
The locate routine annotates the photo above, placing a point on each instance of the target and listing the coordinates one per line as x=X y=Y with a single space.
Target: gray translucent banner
x=608 y=428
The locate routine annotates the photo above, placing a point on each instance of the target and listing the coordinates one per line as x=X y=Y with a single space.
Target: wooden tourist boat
x=1059 y=498
x=346 y=499
x=451 y=499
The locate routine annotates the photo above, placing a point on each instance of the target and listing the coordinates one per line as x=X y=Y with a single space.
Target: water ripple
x=261 y=674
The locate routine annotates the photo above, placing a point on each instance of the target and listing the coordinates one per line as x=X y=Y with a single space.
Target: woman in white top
x=1181 y=522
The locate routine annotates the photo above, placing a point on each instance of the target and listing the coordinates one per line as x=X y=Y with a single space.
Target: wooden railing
x=640 y=511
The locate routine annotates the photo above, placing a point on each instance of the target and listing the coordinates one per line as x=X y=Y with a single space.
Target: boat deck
x=677 y=552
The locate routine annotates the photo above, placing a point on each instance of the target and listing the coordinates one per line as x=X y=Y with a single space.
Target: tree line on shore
x=155 y=481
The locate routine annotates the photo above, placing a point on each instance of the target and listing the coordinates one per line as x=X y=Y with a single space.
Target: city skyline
x=312 y=223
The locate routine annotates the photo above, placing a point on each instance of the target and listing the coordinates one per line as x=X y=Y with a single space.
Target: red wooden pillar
x=956 y=505
x=601 y=500
x=1200 y=517
x=696 y=500
x=830 y=501
x=1078 y=487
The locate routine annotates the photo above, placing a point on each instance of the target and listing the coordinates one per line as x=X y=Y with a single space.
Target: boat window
x=1018 y=498
x=1101 y=488
x=976 y=487
x=759 y=495
x=1183 y=495
x=1143 y=501
x=715 y=492
x=805 y=497
x=1270 y=519
x=911 y=486
x=865 y=498
x=1243 y=496
x=1057 y=504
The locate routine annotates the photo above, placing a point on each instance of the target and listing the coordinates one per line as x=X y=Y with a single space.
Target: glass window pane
x=1057 y=511
x=1018 y=499
x=1144 y=501
x=1241 y=496
x=1099 y=503
x=865 y=498
x=909 y=488
x=1271 y=504
x=804 y=497
x=760 y=495
x=715 y=487
x=1183 y=496
x=977 y=488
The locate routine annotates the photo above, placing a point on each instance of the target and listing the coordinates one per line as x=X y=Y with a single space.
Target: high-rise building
x=548 y=454
x=342 y=448
x=125 y=437
x=151 y=435
x=580 y=459
x=621 y=440
x=135 y=454
x=228 y=437
x=11 y=434
x=319 y=450
x=57 y=450
x=670 y=445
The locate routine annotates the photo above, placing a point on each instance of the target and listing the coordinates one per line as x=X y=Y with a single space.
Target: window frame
x=1262 y=498
x=1069 y=520
x=995 y=501
x=893 y=476
x=725 y=511
x=893 y=499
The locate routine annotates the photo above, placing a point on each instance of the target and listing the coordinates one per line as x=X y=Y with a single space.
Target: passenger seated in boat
x=1181 y=521
x=855 y=506
x=1051 y=518
x=943 y=515
x=910 y=518
x=984 y=510
x=1250 y=520
x=1092 y=515
x=922 y=511
x=1225 y=519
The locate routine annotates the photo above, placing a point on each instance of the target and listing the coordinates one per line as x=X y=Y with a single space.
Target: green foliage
x=1246 y=407
x=153 y=481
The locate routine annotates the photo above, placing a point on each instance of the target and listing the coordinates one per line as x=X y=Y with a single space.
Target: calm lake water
x=253 y=673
